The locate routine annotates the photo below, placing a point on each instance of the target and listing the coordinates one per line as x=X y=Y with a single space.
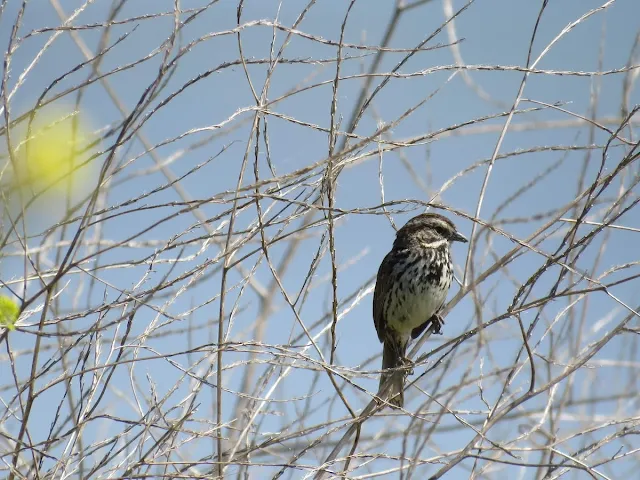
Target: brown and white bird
x=411 y=288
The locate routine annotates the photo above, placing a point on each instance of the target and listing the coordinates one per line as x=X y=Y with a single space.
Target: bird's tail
x=393 y=353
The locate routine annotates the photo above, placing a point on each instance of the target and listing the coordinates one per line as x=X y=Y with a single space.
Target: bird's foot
x=438 y=323
x=408 y=365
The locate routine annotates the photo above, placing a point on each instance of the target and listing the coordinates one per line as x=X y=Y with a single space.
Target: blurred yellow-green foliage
x=9 y=312
x=50 y=153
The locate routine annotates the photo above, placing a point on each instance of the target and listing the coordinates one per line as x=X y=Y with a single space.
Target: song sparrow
x=411 y=287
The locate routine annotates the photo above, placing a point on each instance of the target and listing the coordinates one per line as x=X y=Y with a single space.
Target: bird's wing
x=383 y=282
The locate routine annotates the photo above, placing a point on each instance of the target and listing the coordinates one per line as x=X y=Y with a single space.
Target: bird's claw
x=408 y=365
x=438 y=323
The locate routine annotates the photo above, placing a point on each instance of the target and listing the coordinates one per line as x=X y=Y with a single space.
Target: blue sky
x=492 y=33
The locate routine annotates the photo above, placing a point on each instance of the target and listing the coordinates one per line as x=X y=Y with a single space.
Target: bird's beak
x=458 y=237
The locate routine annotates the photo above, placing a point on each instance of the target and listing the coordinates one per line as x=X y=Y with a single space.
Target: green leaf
x=9 y=312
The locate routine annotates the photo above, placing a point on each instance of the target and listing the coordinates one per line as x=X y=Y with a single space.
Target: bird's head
x=430 y=230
